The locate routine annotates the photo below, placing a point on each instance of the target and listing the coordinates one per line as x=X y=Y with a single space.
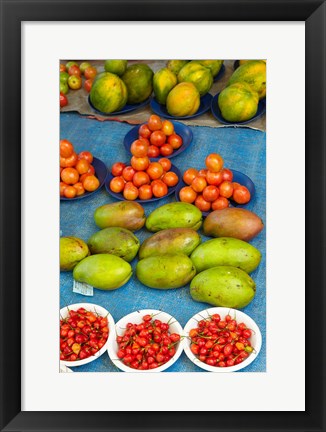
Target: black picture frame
x=13 y=13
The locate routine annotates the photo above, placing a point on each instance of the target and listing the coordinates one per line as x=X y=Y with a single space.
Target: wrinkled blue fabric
x=242 y=149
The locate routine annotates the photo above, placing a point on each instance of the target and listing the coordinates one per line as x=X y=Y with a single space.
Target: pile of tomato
x=143 y=179
x=160 y=137
x=212 y=188
x=221 y=343
x=77 y=173
x=147 y=345
x=82 y=334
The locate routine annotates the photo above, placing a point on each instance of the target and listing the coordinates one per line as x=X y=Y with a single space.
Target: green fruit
x=213 y=65
x=108 y=93
x=165 y=271
x=64 y=76
x=72 y=250
x=169 y=241
x=198 y=75
x=103 y=271
x=174 y=215
x=233 y=222
x=64 y=88
x=138 y=79
x=71 y=63
x=253 y=73
x=183 y=100
x=176 y=65
x=83 y=66
x=226 y=251
x=238 y=102
x=163 y=82
x=117 y=67
x=125 y=214
x=224 y=286
x=116 y=241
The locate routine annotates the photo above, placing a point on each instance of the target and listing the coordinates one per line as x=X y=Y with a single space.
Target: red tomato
x=227 y=174
x=88 y=85
x=226 y=189
x=214 y=178
x=117 y=184
x=241 y=195
x=130 y=192
x=86 y=155
x=198 y=184
x=153 y=151
x=70 y=192
x=141 y=178
x=117 y=168
x=66 y=148
x=202 y=204
x=175 y=141
x=145 y=192
x=202 y=173
x=144 y=131
x=167 y=127
x=139 y=148
x=128 y=173
x=166 y=150
x=146 y=140
x=159 y=189
x=62 y=187
x=189 y=175
x=235 y=185
x=139 y=163
x=63 y=100
x=91 y=170
x=187 y=194
x=157 y=138
x=211 y=193
x=90 y=72
x=214 y=162
x=155 y=170
x=170 y=179
x=91 y=183
x=62 y=68
x=69 y=161
x=82 y=166
x=154 y=123
x=79 y=188
x=166 y=163
x=74 y=70
x=70 y=176
x=220 y=203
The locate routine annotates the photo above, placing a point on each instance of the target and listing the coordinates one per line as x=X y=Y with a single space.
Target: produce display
x=147 y=345
x=212 y=188
x=82 y=334
x=221 y=342
x=194 y=248
x=77 y=174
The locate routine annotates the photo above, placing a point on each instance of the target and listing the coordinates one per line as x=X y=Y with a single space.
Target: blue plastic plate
x=179 y=128
x=238 y=177
x=220 y=74
x=218 y=115
x=101 y=173
x=120 y=197
x=127 y=108
x=205 y=104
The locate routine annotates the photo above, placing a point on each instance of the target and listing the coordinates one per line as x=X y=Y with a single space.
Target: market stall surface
x=242 y=148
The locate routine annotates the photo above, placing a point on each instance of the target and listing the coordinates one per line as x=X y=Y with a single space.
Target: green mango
x=165 y=271
x=226 y=251
x=124 y=214
x=224 y=286
x=103 y=271
x=72 y=250
x=173 y=240
x=116 y=241
x=174 y=215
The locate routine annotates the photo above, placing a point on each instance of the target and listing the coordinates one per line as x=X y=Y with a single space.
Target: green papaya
x=138 y=79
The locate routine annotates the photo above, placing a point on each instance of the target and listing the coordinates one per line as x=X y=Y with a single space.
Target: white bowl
x=255 y=339
x=100 y=311
x=136 y=317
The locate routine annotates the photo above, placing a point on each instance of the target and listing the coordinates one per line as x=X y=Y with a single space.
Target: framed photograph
x=273 y=159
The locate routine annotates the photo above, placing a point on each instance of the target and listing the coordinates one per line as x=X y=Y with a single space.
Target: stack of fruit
x=71 y=78
x=212 y=188
x=238 y=102
x=77 y=173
